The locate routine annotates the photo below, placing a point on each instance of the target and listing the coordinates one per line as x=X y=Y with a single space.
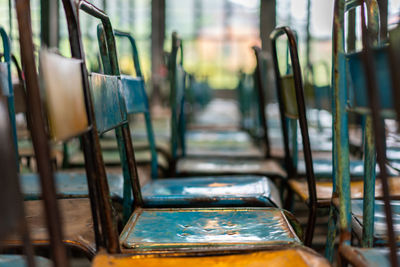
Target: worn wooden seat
x=324 y=189
x=295 y=256
x=76 y=221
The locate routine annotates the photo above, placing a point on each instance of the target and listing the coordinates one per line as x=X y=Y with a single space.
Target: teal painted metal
x=358 y=79
x=109 y=110
x=213 y=227
x=136 y=99
x=379 y=235
x=7 y=86
x=369 y=185
x=340 y=142
x=225 y=191
x=107 y=48
x=69 y=185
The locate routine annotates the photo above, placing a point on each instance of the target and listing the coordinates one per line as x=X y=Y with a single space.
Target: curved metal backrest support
x=38 y=134
x=261 y=77
x=135 y=53
x=108 y=53
x=136 y=100
x=177 y=77
x=301 y=110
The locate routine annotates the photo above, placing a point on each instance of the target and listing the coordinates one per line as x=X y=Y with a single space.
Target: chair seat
x=374 y=257
x=70 y=185
x=206 y=229
x=227 y=191
x=296 y=256
x=380 y=236
x=221 y=144
x=20 y=261
x=112 y=158
x=268 y=167
x=323 y=168
x=76 y=220
x=324 y=189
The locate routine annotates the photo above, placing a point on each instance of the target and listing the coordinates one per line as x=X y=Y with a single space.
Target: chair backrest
x=136 y=100
x=177 y=79
x=6 y=84
x=113 y=107
x=65 y=102
x=78 y=115
x=292 y=106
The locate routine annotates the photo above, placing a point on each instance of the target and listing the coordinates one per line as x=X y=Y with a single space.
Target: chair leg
x=312 y=217
x=330 y=240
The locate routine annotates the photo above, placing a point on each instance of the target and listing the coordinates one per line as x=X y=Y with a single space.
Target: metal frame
x=301 y=107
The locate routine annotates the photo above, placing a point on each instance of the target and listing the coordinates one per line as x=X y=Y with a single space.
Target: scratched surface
x=206 y=228
x=19 y=261
x=134 y=94
x=212 y=191
x=380 y=227
x=269 y=167
x=288 y=257
x=69 y=184
x=109 y=107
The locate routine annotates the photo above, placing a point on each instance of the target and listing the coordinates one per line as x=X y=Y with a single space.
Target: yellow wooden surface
x=277 y=258
x=324 y=189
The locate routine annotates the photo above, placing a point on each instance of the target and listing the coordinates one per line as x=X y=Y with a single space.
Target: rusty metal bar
x=39 y=136
x=301 y=106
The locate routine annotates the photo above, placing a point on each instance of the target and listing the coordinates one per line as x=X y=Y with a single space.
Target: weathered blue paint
x=331 y=235
x=382 y=72
x=7 y=86
x=369 y=184
x=211 y=192
x=137 y=102
x=69 y=185
x=110 y=111
x=20 y=261
x=207 y=228
x=379 y=220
